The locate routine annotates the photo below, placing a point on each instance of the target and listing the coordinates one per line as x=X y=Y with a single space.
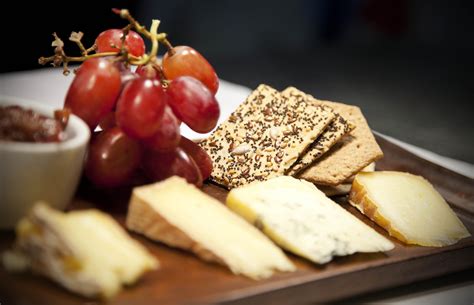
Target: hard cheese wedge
x=408 y=207
x=180 y=215
x=301 y=219
x=85 y=251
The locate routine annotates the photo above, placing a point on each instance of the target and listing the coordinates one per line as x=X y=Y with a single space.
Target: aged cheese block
x=301 y=219
x=408 y=207
x=85 y=251
x=180 y=215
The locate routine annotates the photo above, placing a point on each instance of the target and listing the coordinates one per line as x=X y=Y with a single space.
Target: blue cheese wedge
x=180 y=215
x=85 y=251
x=302 y=220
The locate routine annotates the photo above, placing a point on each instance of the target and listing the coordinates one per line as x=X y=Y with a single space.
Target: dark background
x=408 y=64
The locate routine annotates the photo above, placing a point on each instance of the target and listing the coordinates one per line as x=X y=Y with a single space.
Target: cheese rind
x=301 y=219
x=408 y=207
x=85 y=251
x=180 y=215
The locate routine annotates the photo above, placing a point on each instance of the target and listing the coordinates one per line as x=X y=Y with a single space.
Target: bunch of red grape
x=139 y=112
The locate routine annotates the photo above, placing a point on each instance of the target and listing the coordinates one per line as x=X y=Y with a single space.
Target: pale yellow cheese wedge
x=180 y=215
x=85 y=251
x=301 y=219
x=408 y=207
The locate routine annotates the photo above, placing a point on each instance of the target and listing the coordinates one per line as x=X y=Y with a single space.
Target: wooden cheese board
x=184 y=279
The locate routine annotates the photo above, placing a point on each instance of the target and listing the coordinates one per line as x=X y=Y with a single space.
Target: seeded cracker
x=354 y=152
x=333 y=133
x=263 y=137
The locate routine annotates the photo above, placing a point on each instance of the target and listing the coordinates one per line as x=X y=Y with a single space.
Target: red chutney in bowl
x=19 y=124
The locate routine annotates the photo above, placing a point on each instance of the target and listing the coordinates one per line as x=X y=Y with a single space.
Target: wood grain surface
x=184 y=279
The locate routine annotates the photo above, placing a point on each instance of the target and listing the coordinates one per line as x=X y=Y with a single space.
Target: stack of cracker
x=291 y=133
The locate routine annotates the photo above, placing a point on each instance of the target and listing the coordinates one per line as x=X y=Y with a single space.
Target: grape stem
x=91 y=49
x=168 y=46
x=76 y=37
x=60 y=58
x=163 y=80
x=154 y=44
x=125 y=32
x=125 y=14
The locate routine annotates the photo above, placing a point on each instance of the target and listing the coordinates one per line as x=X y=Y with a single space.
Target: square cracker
x=345 y=187
x=333 y=133
x=263 y=137
x=354 y=152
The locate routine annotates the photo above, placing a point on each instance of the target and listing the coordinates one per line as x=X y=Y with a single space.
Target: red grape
x=167 y=137
x=108 y=121
x=149 y=71
x=111 y=41
x=161 y=165
x=94 y=90
x=187 y=61
x=126 y=74
x=199 y=155
x=112 y=159
x=193 y=103
x=140 y=107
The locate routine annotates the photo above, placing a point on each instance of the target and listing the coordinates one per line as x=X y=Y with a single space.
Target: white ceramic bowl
x=40 y=171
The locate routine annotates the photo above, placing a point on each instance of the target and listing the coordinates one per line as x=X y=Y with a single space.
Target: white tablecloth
x=50 y=86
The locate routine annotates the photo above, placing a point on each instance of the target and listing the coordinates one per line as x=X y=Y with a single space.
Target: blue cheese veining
x=301 y=219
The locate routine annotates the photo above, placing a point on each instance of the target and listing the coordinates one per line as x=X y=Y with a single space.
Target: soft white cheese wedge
x=301 y=219
x=408 y=207
x=85 y=251
x=180 y=215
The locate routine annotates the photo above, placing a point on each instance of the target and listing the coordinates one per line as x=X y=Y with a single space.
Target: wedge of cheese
x=301 y=219
x=408 y=207
x=180 y=215
x=85 y=251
